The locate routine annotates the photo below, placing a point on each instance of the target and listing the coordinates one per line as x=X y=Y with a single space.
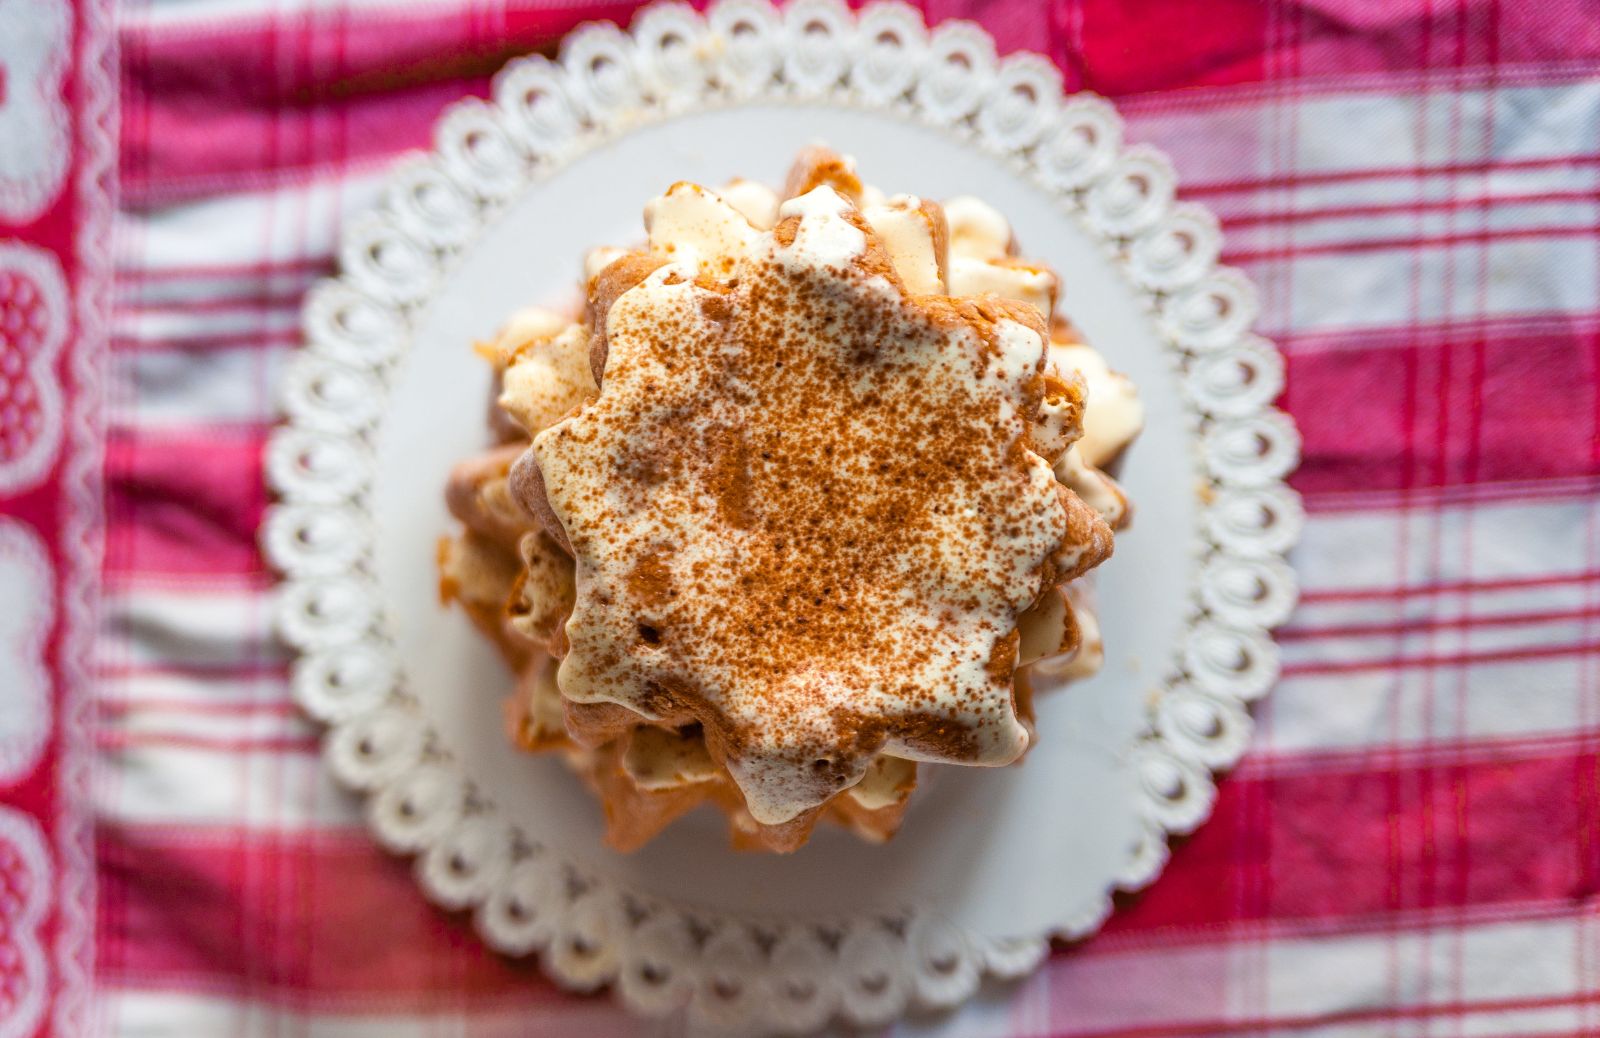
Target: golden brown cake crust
x=818 y=166
x=616 y=278
x=472 y=498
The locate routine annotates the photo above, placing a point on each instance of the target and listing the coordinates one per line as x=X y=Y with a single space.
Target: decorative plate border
x=738 y=971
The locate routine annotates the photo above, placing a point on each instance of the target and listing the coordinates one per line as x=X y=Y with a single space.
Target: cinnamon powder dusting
x=809 y=504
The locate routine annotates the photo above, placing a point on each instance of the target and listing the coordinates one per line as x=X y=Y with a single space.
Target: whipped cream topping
x=535 y=713
x=530 y=325
x=804 y=507
x=977 y=229
x=913 y=232
x=981 y=244
x=1096 y=489
x=693 y=226
x=1090 y=653
x=599 y=258
x=1004 y=277
x=961 y=247
x=756 y=201
x=663 y=758
x=887 y=782
x=980 y=260
x=547 y=377
x=1115 y=413
x=1045 y=628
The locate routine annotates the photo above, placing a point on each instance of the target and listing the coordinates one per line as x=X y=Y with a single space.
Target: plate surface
x=990 y=863
x=529 y=255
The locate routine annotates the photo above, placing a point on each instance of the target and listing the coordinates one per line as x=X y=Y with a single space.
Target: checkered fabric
x=1412 y=846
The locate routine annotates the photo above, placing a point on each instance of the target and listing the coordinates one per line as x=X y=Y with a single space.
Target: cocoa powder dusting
x=806 y=511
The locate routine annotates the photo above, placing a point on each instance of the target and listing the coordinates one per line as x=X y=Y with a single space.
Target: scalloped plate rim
x=907 y=106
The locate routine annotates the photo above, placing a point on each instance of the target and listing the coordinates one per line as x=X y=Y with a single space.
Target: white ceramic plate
x=990 y=863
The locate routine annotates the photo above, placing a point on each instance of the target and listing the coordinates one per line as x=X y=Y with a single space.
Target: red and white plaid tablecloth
x=1412 y=847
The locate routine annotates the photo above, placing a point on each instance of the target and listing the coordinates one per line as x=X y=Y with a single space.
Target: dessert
x=795 y=502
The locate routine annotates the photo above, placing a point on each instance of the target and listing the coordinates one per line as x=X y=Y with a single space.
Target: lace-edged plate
x=538 y=883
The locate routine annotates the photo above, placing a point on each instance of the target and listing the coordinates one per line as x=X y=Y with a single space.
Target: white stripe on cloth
x=137 y=1013
x=178 y=15
x=231 y=321
x=1519 y=973
x=179 y=388
x=229 y=786
x=188 y=629
x=1451 y=661
x=1459 y=132
x=207 y=721
x=242 y=231
x=1389 y=549
x=1526 y=698
x=1481 y=981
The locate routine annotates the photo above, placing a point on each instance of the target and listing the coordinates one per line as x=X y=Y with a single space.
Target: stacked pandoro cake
x=799 y=500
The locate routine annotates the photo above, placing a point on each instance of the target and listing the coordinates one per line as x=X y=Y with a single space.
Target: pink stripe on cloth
x=245 y=104
x=324 y=918
x=1349 y=841
x=1340 y=841
x=1531 y=417
x=186 y=504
